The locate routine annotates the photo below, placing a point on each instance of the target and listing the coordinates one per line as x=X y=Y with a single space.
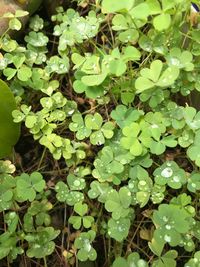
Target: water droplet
x=167 y=172
x=165 y=219
x=71 y=112
x=131 y=185
x=176 y=179
x=77 y=183
x=168 y=227
x=143 y=183
x=121 y=229
x=167 y=238
x=154 y=126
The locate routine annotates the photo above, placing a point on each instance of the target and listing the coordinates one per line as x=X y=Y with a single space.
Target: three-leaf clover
x=69 y=196
x=40 y=242
x=124 y=116
x=154 y=77
x=118 y=229
x=28 y=186
x=132 y=260
x=182 y=60
x=195 y=261
x=193 y=182
x=83 y=244
x=81 y=209
x=118 y=202
x=171 y=221
x=171 y=174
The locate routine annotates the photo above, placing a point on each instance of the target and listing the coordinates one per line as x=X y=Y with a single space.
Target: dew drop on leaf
x=167 y=172
x=168 y=227
x=176 y=179
x=167 y=238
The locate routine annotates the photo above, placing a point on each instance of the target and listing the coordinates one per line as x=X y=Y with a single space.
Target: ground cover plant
x=105 y=168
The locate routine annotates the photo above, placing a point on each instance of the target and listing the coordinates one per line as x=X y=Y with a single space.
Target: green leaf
x=24 y=73
x=108 y=7
x=117 y=67
x=136 y=13
x=168 y=77
x=118 y=229
x=92 y=80
x=10 y=131
x=154 y=72
x=15 y=24
x=80 y=208
x=130 y=53
x=143 y=84
x=162 y=22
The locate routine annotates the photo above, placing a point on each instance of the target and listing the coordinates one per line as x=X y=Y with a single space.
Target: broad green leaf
x=168 y=77
x=162 y=22
x=142 y=84
x=154 y=72
x=117 y=67
x=156 y=246
x=109 y=7
x=15 y=24
x=92 y=80
x=131 y=54
x=24 y=73
x=154 y=6
x=10 y=131
x=137 y=14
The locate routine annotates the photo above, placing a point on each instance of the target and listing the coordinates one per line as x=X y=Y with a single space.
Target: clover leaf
x=90 y=91
x=124 y=116
x=193 y=151
x=76 y=182
x=192 y=117
x=168 y=259
x=106 y=131
x=73 y=28
x=79 y=127
x=36 y=39
x=118 y=202
x=40 y=242
x=36 y=23
x=83 y=244
x=140 y=185
x=118 y=229
x=182 y=60
x=6 y=197
x=69 y=196
x=132 y=259
x=158 y=193
x=108 y=7
x=195 y=261
x=77 y=221
x=9 y=246
x=131 y=141
x=170 y=173
x=171 y=221
x=99 y=190
x=193 y=182
x=57 y=65
x=28 y=186
x=154 y=76
x=162 y=22
x=106 y=166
